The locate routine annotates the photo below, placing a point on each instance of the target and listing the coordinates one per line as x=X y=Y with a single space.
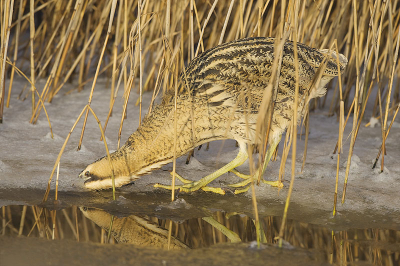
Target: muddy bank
x=33 y=251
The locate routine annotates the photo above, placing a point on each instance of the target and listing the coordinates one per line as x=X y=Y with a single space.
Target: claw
x=276 y=183
x=242 y=190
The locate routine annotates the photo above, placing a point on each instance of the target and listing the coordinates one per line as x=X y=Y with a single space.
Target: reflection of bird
x=220 y=93
x=133 y=229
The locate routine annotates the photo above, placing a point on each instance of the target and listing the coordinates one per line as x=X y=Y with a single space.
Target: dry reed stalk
x=156 y=91
x=70 y=223
x=387 y=133
x=341 y=129
x=102 y=21
x=57 y=176
x=3 y=209
x=83 y=59
x=75 y=215
x=191 y=32
x=140 y=60
x=53 y=218
x=204 y=25
x=70 y=32
x=22 y=221
x=37 y=223
x=241 y=9
x=267 y=104
x=61 y=152
x=388 y=97
x=167 y=37
x=307 y=126
x=355 y=117
x=126 y=98
x=228 y=15
x=114 y=3
x=70 y=72
x=5 y=34
x=15 y=57
x=32 y=34
x=40 y=102
x=294 y=8
x=124 y=62
x=259 y=231
x=49 y=80
x=85 y=227
x=200 y=42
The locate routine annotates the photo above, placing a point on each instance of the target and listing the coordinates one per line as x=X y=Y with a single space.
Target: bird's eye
x=87 y=174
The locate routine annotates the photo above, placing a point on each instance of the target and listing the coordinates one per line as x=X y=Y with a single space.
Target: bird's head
x=331 y=70
x=99 y=174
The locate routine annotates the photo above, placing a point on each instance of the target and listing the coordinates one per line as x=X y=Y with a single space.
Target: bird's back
x=234 y=76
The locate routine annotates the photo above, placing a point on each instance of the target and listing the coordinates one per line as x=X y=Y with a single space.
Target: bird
x=219 y=97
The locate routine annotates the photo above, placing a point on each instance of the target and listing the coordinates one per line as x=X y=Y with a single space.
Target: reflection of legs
x=191 y=186
x=249 y=178
x=232 y=236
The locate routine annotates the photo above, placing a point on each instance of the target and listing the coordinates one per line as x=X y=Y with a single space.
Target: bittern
x=220 y=93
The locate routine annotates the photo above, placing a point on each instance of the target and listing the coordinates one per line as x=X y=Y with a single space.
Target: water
x=141 y=222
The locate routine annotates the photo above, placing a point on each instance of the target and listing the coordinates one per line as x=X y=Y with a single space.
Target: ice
x=3 y=167
x=194 y=164
x=378 y=171
x=49 y=138
x=374 y=122
x=354 y=163
x=177 y=204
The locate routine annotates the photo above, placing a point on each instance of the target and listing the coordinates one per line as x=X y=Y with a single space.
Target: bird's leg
x=183 y=180
x=249 y=178
x=187 y=181
x=202 y=183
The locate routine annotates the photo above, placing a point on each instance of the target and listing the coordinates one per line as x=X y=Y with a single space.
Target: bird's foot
x=183 y=180
x=191 y=186
x=244 y=185
x=239 y=174
x=276 y=183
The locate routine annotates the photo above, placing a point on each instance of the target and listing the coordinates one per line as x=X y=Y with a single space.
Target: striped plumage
x=215 y=92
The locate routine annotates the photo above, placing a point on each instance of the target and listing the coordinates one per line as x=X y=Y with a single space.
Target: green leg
x=202 y=183
x=187 y=181
x=232 y=236
x=249 y=178
x=183 y=180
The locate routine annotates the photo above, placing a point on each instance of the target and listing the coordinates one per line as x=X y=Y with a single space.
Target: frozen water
x=374 y=121
x=354 y=163
x=177 y=204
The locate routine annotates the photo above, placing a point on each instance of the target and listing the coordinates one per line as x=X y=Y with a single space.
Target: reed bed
x=151 y=42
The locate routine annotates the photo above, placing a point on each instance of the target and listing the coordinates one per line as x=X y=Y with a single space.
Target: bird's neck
x=152 y=145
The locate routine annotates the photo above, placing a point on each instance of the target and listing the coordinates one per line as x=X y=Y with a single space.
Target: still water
x=218 y=235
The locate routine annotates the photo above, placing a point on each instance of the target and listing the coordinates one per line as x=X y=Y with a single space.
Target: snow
x=374 y=121
x=28 y=154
